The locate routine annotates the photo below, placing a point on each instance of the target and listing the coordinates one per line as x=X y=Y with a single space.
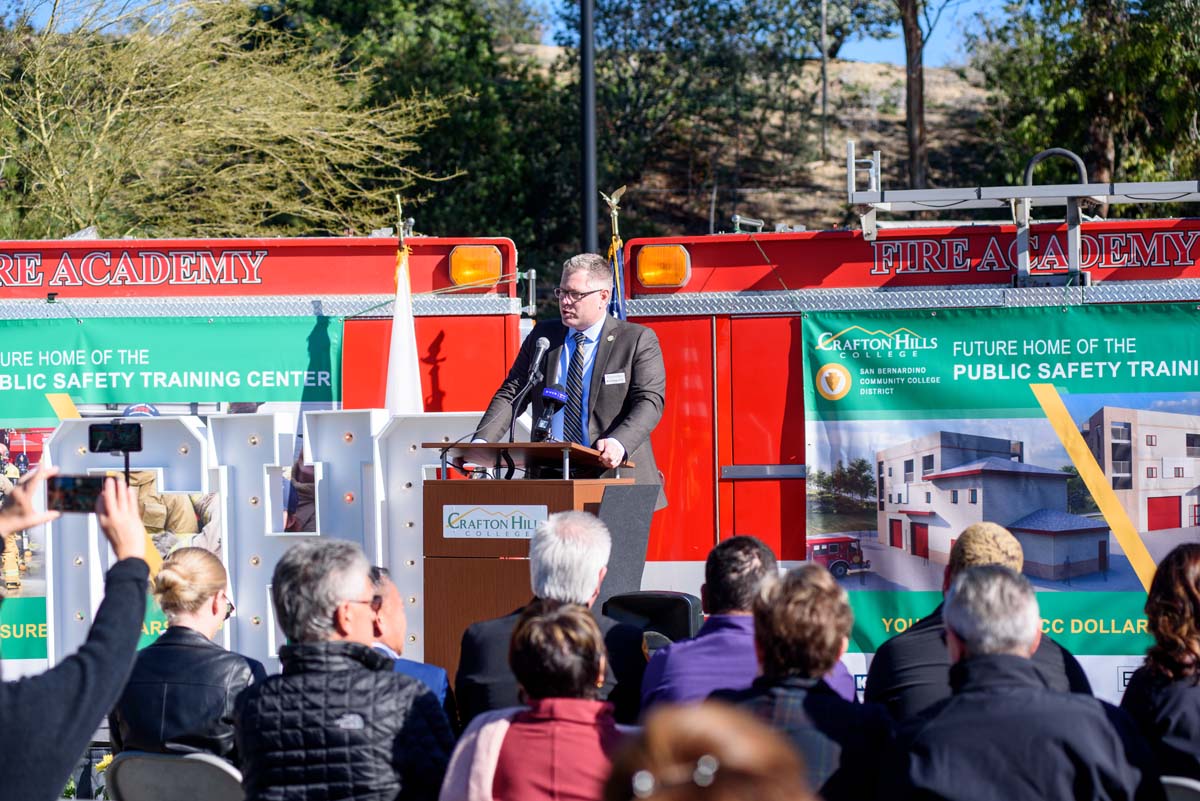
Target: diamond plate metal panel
x=289 y=306
x=1178 y=289
x=1044 y=296
x=801 y=300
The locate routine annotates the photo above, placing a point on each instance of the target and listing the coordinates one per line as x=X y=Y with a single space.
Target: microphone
x=535 y=373
x=553 y=398
x=539 y=352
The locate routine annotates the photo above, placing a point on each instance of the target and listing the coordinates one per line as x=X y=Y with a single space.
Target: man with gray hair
x=568 y=559
x=910 y=672
x=611 y=371
x=338 y=723
x=1003 y=734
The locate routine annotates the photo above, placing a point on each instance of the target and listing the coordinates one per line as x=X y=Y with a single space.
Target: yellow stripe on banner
x=63 y=406
x=1097 y=483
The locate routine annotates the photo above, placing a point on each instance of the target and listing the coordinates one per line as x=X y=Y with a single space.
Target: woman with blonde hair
x=180 y=696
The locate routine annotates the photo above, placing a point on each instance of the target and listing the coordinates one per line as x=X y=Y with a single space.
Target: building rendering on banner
x=1151 y=458
x=933 y=487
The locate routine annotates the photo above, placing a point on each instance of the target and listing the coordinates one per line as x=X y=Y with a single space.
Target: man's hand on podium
x=612 y=452
x=472 y=469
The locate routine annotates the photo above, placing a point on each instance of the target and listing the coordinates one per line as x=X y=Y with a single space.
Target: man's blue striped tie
x=573 y=416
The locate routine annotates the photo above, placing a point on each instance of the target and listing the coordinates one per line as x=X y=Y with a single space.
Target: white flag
x=403 y=368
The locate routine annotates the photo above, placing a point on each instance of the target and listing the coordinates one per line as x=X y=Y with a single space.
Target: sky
x=944 y=48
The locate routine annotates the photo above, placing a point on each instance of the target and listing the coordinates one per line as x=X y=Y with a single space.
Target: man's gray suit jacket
x=625 y=396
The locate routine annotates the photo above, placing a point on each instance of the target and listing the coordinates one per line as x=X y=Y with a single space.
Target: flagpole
x=403 y=393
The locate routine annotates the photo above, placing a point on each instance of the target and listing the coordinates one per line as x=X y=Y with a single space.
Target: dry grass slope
x=866 y=104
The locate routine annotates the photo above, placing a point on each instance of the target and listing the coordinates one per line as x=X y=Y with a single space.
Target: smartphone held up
x=76 y=494
x=79 y=494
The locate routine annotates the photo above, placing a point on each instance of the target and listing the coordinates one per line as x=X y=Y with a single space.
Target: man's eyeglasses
x=229 y=608
x=376 y=602
x=574 y=297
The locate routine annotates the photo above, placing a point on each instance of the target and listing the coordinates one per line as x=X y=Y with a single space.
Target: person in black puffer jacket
x=180 y=697
x=338 y=723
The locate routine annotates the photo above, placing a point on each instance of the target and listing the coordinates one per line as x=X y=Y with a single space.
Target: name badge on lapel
x=614 y=378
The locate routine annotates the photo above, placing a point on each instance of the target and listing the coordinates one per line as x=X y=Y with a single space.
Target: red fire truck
x=839 y=553
x=748 y=429
x=953 y=370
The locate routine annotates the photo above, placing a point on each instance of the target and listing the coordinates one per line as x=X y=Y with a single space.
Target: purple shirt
x=720 y=657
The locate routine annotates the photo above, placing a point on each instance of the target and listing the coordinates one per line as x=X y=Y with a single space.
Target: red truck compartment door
x=766 y=418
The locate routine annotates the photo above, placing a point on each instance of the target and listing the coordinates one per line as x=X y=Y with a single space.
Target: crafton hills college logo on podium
x=462 y=521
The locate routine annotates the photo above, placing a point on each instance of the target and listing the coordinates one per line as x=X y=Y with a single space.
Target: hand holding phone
x=73 y=494
x=19 y=512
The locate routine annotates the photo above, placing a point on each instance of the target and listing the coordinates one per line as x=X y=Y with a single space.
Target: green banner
x=23 y=627
x=1076 y=427
x=980 y=362
x=165 y=360
x=1085 y=623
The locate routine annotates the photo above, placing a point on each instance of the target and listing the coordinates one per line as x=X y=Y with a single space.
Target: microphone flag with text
x=554 y=397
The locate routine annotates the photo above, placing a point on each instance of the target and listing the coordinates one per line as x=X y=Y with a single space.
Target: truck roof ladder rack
x=1018 y=199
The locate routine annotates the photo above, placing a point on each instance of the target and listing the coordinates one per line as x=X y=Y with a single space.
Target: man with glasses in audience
x=612 y=372
x=339 y=722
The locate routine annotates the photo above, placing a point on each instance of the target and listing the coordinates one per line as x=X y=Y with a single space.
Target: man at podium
x=610 y=371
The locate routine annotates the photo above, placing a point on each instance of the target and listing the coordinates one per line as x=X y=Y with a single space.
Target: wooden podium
x=476 y=578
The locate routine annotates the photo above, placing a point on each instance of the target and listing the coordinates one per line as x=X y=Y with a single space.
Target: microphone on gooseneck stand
x=539 y=353
x=535 y=374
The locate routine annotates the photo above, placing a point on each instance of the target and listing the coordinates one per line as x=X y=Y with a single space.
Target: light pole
x=587 y=114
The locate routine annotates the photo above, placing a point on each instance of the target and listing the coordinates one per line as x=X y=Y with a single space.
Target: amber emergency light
x=664 y=265
x=475 y=265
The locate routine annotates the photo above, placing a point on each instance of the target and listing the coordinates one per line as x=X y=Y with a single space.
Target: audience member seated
x=706 y=752
x=390 y=629
x=568 y=559
x=1003 y=735
x=721 y=656
x=49 y=719
x=561 y=746
x=180 y=697
x=1163 y=696
x=911 y=671
x=339 y=723
x=802 y=626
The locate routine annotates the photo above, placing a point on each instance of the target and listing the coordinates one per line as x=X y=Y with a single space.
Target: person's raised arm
x=60 y=709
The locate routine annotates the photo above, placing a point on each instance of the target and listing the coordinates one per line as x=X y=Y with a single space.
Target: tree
x=1079 y=499
x=871 y=19
x=508 y=143
x=190 y=119
x=846 y=488
x=1116 y=80
x=861 y=480
x=918 y=18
